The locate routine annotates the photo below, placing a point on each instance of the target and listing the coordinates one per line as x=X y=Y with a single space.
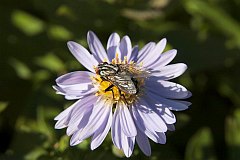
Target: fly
x=120 y=76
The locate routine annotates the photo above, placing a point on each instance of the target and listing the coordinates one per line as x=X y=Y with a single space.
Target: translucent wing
x=124 y=83
x=137 y=71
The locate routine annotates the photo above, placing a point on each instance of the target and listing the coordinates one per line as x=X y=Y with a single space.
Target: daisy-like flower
x=125 y=90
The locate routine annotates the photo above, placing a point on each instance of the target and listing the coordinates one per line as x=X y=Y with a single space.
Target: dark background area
x=33 y=53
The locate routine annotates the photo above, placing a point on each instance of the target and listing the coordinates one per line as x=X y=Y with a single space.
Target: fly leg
x=109 y=88
x=124 y=98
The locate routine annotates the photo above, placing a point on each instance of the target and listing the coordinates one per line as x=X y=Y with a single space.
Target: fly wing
x=137 y=71
x=124 y=83
x=146 y=74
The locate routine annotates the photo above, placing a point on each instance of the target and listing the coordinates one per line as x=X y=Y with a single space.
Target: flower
x=127 y=90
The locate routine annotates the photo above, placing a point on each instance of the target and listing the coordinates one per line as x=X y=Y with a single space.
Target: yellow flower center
x=112 y=91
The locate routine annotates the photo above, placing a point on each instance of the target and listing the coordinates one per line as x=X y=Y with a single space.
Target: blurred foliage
x=33 y=52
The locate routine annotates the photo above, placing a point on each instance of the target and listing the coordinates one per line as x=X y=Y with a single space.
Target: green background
x=33 y=53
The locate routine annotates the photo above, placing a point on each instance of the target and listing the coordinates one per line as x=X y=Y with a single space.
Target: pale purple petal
x=167 y=115
x=125 y=47
x=155 y=54
x=99 y=114
x=164 y=59
x=72 y=93
x=166 y=89
x=82 y=124
x=145 y=51
x=102 y=132
x=112 y=44
x=145 y=127
x=66 y=112
x=138 y=119
x=171 y=127
x=143 y=143
x=75 y=84
x=150 y=117
x=60 y=124
x=96 y=47
x=126 y=121
x=87 y=122
x=134 y=55
x=127 y=144
x=162 y=137
x=82 y=108
x=116 y=129
x=74 y=141
x=171 y=104
x=170 y=71
x=82 y=55
x=73 y=78
x=64 y=117
x=68 y=97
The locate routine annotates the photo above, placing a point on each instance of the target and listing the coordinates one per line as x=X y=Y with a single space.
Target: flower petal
x=75 y=85
x=162 y=137
x=82 y=124
x=126 y=121
x=150 y=117
x=82 y=55
x=167 y=115
x=96 y=47
x=143 y=143
x=171 y=104
x=125 y=47
x=145 y=51
x=78 y=112
x=155 y=54
x=171 y=127
x=116 y=128
x=112 y=44
x=99 y=114
x=164 y=59
x=63 y=118
x=170 y=71
x=144 y=127
x=127 y=145
x=72 y=93
x=102 y=132
x=73 y=78
x=166 y=89
x=134 y=54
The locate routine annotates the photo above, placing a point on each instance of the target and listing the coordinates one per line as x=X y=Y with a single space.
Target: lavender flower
x=127 y=90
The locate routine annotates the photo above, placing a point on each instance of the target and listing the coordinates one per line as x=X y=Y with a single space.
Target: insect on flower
x=127 y=90
x=120 y=76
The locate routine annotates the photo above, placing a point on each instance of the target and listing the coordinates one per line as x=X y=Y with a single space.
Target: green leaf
x=233 y=129
x=63 y=143
x=35 y=153
x=21 y=69
x=217 y=17
x=51 y=62
x=3 y=106
x=233 y=134
x=27 y=23
x=59 y=32
x=200 y=146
